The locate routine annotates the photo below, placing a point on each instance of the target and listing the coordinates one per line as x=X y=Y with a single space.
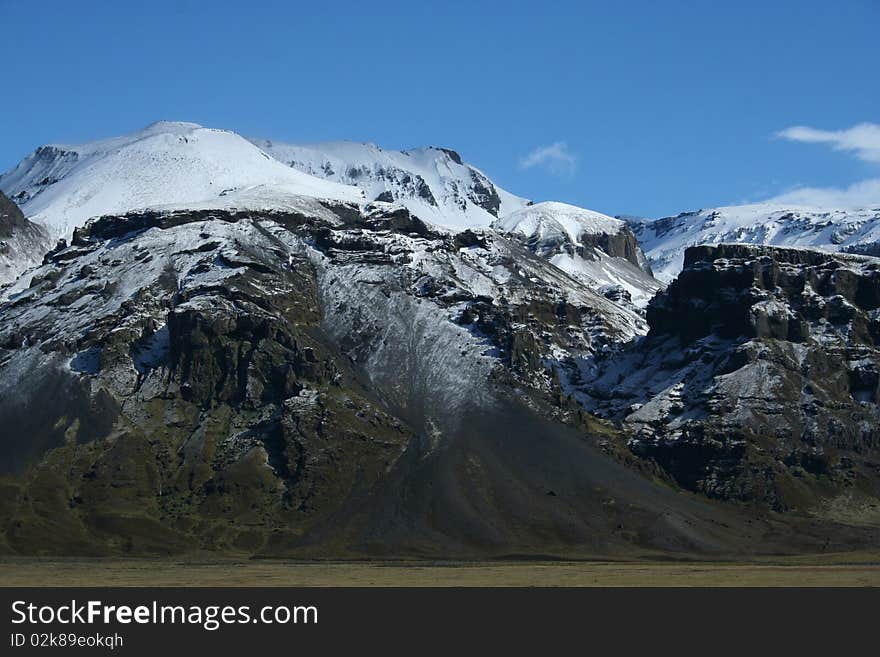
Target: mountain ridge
x=166 y=163
x=293 y=366
x=835 y=229
x=171 y=166
x=433 y=183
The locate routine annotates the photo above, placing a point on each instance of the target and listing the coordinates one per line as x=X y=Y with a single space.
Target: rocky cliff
x=22 y=242
x=759 y=379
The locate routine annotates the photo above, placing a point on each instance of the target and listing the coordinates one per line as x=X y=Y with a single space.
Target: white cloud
x=862 y=139
x=556 y=158
x=864 y=194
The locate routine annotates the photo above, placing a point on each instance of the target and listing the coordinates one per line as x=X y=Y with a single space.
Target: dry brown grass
x=828 y=570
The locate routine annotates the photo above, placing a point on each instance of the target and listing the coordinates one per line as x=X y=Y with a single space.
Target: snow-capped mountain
x=175 y=166
x=432 y=183
x=437 y=186
x=665 y=240
x=286 y=364
x=592 y=247
x=165 y=164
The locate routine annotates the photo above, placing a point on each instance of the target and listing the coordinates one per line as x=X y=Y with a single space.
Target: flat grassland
x=849 y=569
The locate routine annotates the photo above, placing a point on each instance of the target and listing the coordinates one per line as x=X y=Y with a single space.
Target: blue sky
x=645 y=108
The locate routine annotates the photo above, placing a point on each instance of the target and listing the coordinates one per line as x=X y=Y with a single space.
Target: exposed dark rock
x=11 y=217
x=759 y=378
x=455 y=157
x=22 y=242
x=483 y=193
x=468 y=239
x=283 y=384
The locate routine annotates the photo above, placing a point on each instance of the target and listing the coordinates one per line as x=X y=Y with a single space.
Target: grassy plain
x=845 y=569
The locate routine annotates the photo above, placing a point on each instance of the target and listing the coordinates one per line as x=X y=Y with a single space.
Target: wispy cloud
x=556 y=158
x=864 y=194
x=863 y=139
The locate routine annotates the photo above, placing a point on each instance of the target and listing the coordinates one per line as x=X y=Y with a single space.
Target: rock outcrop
x=22 y=242
x=600 y=251
x=759 y=379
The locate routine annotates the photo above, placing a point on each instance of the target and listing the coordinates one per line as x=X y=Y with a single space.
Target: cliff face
x=600 y=251
x=759 y=379
x=767 y=292
x=22 y=242
x=622 y=244
x=11 y=217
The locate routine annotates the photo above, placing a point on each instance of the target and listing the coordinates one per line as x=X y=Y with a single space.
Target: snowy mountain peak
x=171 y=165
x=434 y=183
x=171 y=126
x=832 y=229
x=553 y=219
x=596 y=249
x=165 y=164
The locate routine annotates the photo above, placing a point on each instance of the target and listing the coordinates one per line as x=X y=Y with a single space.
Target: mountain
x=247 y=358
x=758 y=381
x=597 y=249
x=169 y=166
x=330 y=381
x=166 y=164
x=22 y=242
x=665 y=240
x=432 y=183
x=336 y=381
x=436 y=185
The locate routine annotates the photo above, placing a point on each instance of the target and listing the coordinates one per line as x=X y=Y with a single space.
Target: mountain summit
x=183 y=166
x=432 y=183
x=165 y=164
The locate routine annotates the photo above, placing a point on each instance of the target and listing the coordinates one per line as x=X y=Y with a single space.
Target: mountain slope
x=22 y=242
x=327 y=383
x=167 y=163
x=597 y=249
x=332 y=382
x=433 y=183
x=665 y=240
x=437 y=186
